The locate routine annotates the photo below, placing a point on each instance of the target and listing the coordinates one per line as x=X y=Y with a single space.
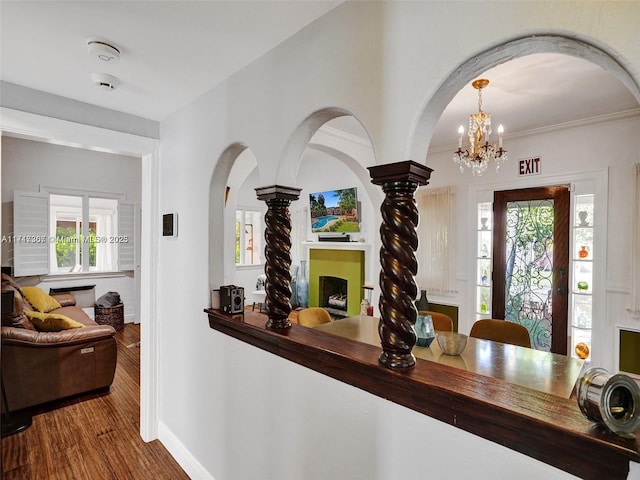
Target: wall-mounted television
x=334 y=211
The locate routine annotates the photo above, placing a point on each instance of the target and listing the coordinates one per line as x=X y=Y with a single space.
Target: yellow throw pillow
x=40 y=300
x=52 y=322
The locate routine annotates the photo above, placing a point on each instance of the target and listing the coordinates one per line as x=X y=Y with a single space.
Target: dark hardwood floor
x=92 y=437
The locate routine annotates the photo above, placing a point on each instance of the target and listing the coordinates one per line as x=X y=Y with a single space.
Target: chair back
x=441 y=322
x=501 y=331
x=313 y=316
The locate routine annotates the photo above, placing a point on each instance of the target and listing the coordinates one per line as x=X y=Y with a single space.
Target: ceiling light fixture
x=480 y=151
x=105 y=81
x=103 y=51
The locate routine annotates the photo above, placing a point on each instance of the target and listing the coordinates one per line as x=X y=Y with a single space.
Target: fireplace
x=343 y=272
x=333 y=295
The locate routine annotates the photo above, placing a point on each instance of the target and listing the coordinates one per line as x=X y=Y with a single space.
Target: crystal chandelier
x=480 y=151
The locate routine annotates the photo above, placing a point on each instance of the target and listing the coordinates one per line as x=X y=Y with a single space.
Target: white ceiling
x=174 y=51
x=171 y=51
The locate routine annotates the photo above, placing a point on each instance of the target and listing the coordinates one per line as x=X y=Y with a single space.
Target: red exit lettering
x=529 y=166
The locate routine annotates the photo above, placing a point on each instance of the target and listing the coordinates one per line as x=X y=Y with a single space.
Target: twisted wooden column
x=277 y=253
x=397 y=257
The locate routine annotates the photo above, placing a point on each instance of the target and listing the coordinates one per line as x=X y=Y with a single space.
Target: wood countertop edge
x=543 y=426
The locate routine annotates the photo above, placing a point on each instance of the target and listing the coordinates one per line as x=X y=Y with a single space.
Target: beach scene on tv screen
x=334 y=211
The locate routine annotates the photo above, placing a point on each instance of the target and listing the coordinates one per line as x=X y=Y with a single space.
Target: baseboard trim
x=182 y=455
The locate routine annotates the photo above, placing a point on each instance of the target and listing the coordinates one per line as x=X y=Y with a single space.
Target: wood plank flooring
x=92 y=437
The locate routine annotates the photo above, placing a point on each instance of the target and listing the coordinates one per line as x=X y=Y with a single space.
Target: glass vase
x=294 y=287
x=424 y=330
x=422 y=304
x=302 y=285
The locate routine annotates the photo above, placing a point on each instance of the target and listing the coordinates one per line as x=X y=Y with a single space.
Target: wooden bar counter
x=546 y=427
x=543 y=371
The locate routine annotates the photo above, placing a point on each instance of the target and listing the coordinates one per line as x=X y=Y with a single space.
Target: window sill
x=85 y=275
x=257 y=266
x=545 y=427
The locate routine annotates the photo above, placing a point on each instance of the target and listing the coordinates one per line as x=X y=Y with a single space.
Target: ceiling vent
x=103 y=51
x=104 y=81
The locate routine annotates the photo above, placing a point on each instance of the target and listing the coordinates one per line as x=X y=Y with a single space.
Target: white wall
x=29 y=165
x=230 y=411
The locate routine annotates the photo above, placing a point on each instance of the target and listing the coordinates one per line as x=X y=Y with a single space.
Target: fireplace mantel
x=338 y=245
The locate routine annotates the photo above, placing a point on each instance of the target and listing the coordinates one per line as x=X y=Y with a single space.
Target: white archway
x=299 y=140
x=429 y=114
x=217 y=197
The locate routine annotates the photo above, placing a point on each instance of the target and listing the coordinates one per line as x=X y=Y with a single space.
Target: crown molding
x=583 y=122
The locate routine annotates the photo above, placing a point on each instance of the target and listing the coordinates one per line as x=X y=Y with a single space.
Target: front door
x=531 y=261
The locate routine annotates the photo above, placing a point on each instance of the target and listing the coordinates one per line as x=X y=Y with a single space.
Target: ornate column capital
x=397 y=259
x=277 y=252
x=406 y=171
x=273 y=192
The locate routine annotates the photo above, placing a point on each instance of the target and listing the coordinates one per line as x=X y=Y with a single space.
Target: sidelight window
x=582 y=276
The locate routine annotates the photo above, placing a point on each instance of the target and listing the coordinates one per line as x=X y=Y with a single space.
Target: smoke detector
x=103 y=51
x=105 y=81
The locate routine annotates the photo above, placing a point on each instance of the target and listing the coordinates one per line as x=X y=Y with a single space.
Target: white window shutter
x=31 y=233
x=126 y=230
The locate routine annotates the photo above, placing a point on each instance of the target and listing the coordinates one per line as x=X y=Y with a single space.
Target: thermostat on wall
x=170 y=225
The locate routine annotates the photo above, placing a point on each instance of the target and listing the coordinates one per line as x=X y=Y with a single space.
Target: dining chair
x=313 y=316
x=441 y=321
x=501 y=331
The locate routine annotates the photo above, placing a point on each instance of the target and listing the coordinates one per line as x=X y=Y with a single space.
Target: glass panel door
x=531 y=262
x=529 y=268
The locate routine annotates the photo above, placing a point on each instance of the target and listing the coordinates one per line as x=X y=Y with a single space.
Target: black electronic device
x=343 y=237
x=231 y=299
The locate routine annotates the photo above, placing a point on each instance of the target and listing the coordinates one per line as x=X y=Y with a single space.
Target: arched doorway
x=542 y=52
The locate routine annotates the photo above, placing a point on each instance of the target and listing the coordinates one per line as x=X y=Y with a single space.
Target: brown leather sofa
x=41 y=366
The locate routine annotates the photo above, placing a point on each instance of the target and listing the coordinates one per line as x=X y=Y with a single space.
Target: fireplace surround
x=338 y=272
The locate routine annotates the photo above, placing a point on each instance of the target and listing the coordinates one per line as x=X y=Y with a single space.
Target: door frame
x=36 y=127
x=561 y=230
x=590 y=181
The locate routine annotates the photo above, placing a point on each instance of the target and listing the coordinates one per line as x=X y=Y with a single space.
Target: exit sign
x=529 y=166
